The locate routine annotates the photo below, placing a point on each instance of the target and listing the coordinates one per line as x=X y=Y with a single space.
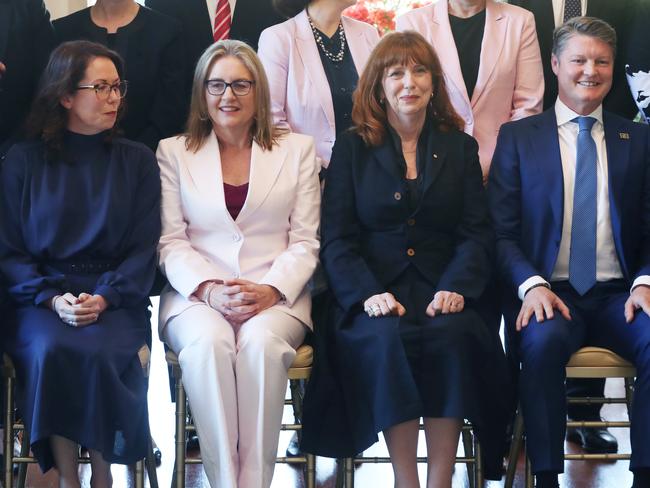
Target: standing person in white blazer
x=240 y=211
x=491 y=61
x=313 y=62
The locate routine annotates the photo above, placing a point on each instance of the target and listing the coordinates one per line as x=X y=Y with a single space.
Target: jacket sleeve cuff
x=529 y=283
x=110 y=295
x=46 y=295
x=640 y=280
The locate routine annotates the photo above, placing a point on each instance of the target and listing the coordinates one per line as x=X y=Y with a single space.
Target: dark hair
x=289 y=8
x=369 y=113
x=586 y=26
x=66 y=68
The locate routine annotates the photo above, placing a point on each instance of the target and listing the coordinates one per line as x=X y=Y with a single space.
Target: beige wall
x=61 y=8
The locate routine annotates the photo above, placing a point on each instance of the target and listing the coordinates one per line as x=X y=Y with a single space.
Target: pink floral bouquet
x=381 y=13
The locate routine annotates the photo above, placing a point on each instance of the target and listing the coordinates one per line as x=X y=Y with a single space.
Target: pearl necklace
x=336 y=58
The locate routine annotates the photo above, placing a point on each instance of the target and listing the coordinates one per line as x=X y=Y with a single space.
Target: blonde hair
x=199 y=124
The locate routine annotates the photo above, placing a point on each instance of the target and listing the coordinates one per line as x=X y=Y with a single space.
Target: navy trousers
x=545 y=348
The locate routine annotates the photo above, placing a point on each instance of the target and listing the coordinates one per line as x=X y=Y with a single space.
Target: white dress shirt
x=212 y=9
x=607 y=264
x=558 y=10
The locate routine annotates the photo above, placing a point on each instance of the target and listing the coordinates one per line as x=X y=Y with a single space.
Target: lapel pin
x=435 y=156
x=623 y=135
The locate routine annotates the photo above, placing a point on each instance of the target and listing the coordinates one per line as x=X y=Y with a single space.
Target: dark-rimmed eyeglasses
x=103 y=90
x=239 y=87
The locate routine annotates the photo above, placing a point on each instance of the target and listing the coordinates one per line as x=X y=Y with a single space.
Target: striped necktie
x=222 y=21
x=572 y=8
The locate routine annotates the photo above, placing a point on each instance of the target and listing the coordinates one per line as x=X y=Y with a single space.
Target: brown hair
x=199 y=125
x=586 y=26
x=369 y=113
x=66 y=68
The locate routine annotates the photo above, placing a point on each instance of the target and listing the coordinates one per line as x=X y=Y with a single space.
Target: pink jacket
x=510 y=82
x=300 y=94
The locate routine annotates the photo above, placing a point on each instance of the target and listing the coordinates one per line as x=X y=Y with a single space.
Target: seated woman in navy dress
x=406 y=244
x=78 y=235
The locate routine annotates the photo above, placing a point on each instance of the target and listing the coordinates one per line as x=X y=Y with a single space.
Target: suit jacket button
x=236 y=237
x=397 y=195
x=411 y=222
x=410 y=252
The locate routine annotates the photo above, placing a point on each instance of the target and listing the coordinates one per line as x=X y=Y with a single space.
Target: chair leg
x=139 y=474
x=530 y=478
x=178 y=477
x=515 y=449
x=9 y=433
x=479 y=477
x=150 y=464
x=468 y=449
x=310 y=471
x=24 y=452
x=629 y=394
x=348 y=466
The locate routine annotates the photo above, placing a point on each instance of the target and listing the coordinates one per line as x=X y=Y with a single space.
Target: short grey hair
x=586 y=26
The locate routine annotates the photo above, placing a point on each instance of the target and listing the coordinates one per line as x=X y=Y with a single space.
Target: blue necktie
x=572 y=8
x=582 y=258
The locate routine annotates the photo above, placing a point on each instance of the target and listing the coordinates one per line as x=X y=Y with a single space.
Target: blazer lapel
x=618 y=149
x=357 y=42
x=265 y=169
x=385 y=156
x=443 y=43
x=545 y=149
x=308 y=52
x=204 y=167
x=5 y=19
x=435 y=158
x=494 y=37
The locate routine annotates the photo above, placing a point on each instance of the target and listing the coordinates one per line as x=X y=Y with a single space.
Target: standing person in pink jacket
x=313 y=62
x=491 y=62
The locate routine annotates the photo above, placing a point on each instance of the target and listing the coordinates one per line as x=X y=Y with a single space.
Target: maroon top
x=235 y=198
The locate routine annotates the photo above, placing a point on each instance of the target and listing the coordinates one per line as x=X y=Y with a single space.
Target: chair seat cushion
x=597 y=357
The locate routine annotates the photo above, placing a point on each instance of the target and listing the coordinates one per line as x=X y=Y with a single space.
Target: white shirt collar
x=564 y=114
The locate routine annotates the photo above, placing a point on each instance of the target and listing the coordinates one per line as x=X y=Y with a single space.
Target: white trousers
x=235 y=382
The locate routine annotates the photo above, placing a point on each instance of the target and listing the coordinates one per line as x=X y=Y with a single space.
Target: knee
x=264 y=343
x=544 y=345
x=211 y=346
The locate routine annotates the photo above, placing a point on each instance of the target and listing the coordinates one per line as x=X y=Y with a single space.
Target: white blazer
x=510 y=81
x=300 y=93
x=273 y=240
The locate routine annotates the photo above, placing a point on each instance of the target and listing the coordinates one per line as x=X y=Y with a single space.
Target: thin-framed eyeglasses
x=218 y=87
x=103 y=90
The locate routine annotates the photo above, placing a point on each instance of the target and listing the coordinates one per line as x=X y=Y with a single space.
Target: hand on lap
x=540 y=301
x=78 y=311
x=445 y=302
x=383 y=305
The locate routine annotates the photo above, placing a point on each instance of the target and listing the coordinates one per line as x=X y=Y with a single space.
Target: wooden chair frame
x=616 y=367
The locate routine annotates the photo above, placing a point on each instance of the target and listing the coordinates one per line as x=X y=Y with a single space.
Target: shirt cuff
x=640 y=280
x=529 y=283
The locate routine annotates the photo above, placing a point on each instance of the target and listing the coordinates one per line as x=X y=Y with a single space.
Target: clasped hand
x=239 y=300
x=78 y=311
x=385 y=304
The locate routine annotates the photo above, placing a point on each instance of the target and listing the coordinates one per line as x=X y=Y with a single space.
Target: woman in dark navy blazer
x=150 y=44
x=406 y=247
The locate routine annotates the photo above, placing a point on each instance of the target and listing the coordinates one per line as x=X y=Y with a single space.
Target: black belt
x=82 y=267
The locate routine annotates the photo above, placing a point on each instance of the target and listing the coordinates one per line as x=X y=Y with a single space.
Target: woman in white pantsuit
x=240 y=211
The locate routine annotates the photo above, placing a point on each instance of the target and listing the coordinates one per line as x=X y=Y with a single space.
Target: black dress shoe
x=192 y=443
x=593 y=440
x=293 y=449
x=157 y=456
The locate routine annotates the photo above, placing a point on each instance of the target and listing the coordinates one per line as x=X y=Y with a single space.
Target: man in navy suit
x=569 y=195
